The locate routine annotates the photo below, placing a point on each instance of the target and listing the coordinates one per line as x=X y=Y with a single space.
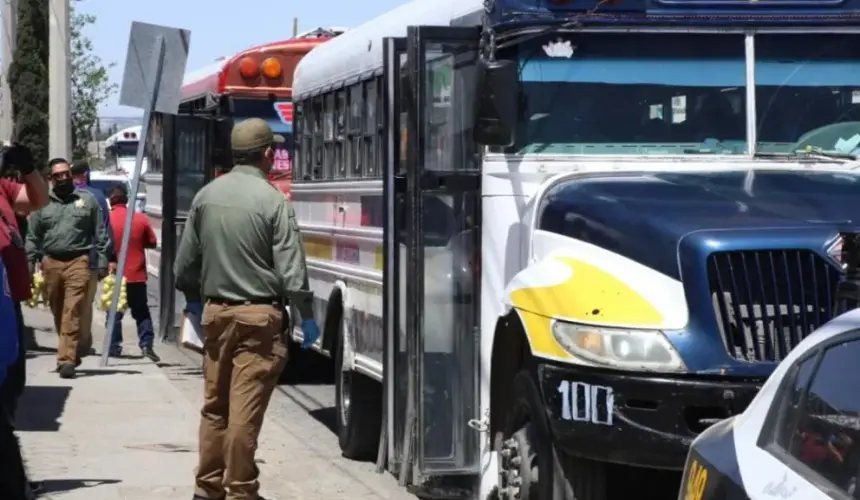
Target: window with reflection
x=155 y=144
x=820 y=417
x=807 y=92
x=191 y=158
x=356 y=108
x=340 y=135
x=316 y=166
x=369 y=146
x=633 y=93
x=302 y=142
x=329 y=161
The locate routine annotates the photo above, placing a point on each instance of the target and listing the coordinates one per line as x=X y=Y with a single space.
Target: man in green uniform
x=62 y=234
x=241 y=252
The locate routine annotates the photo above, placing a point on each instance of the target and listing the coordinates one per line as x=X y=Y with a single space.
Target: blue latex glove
x=311 y=331
x=194 y=308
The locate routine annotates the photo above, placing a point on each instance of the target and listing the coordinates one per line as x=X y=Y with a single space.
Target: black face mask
x=63 y=188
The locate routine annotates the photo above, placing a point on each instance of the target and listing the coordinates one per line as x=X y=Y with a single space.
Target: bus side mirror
x=496 y=102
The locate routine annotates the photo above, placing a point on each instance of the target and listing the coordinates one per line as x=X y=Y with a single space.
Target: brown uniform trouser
x=85 y=342
x=66 y=282
x=244 y=353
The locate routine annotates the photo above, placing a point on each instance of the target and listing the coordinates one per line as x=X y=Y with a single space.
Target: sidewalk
x=118 y=433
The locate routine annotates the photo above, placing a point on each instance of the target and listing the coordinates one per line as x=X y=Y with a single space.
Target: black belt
x=67 y=256
x=270 y=301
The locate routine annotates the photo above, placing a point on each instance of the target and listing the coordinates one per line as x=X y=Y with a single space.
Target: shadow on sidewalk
x=42 y=350
x=326 y=416
x=104 y=371
x=40 y=408
x=64 y=485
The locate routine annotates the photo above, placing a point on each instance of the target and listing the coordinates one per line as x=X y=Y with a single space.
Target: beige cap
x=253 y=133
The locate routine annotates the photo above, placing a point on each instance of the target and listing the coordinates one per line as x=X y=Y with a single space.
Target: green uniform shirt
x=242 y=242
x=68 y=227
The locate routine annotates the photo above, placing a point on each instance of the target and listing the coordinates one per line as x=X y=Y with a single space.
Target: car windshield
x=684 y=93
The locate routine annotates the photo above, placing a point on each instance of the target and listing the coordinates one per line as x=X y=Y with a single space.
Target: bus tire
x=542 y=470
x=358 y=410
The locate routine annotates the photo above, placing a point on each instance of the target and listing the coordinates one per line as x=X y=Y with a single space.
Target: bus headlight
x=625 y=349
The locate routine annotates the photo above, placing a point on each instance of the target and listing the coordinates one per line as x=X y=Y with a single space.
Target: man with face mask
x=63 y=234
x=241 y=252
x=81 y=179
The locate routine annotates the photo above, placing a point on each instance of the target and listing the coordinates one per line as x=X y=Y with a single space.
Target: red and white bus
x=187 y=150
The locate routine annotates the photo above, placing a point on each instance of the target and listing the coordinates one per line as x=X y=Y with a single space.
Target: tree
x=91 y=86
x=28 y=78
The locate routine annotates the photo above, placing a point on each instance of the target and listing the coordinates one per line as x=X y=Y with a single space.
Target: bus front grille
x=767 y=301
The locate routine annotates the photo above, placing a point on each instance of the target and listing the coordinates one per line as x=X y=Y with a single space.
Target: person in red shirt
x=141 y=237
x=23 y=189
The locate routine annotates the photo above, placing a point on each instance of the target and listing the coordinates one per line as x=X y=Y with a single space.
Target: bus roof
x=511 y=14
x=223 y=76
x=127 y=134
x=358 y=52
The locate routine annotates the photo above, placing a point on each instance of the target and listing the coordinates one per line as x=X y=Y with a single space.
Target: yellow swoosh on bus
x=567 y=288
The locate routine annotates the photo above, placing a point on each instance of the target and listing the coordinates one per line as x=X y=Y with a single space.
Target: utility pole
x=10 y=22
x=60 y=93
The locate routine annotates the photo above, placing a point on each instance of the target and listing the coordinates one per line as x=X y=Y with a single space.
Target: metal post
x=295 y=27
x=158 y=64
x=10 y=32
x=59 y=80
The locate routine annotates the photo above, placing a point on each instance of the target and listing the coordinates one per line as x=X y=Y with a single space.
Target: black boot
x=67 y=371
x=148 y=352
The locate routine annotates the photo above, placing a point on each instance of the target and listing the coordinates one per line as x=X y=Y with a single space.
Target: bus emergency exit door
x=435 y=191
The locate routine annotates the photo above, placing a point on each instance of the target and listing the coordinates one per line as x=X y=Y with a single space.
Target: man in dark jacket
x=81 y=178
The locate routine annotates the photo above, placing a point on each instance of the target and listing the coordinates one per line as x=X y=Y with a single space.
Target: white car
x=800 y=436
x=104 y=182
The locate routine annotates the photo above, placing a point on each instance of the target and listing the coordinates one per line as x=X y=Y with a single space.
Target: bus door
x=438 y=239
x=395 y=237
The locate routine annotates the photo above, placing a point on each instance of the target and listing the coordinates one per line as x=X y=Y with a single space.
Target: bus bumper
x=645 y=420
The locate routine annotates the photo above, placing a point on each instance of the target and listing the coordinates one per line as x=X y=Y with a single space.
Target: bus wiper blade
x=839 y=155
x=810 y=155
x=700 y=151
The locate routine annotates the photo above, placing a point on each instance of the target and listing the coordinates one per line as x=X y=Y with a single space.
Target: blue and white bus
x=552 y=241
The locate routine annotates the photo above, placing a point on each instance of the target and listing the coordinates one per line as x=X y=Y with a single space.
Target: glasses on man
x=58 y=176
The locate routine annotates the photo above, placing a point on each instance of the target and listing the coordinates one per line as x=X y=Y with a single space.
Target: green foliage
x=28 y=78
x=91 y=86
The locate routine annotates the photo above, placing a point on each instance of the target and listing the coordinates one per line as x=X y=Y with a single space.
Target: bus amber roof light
x=248 y=68
x=271 y=68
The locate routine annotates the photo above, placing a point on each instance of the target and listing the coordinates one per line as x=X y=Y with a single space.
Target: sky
x=216 y=31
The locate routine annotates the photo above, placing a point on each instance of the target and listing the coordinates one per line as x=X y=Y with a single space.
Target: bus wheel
x=531 y=467
x=358 y=408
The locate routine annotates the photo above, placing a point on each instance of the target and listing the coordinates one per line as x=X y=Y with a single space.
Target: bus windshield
x=647 y=93
x=805 y=86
